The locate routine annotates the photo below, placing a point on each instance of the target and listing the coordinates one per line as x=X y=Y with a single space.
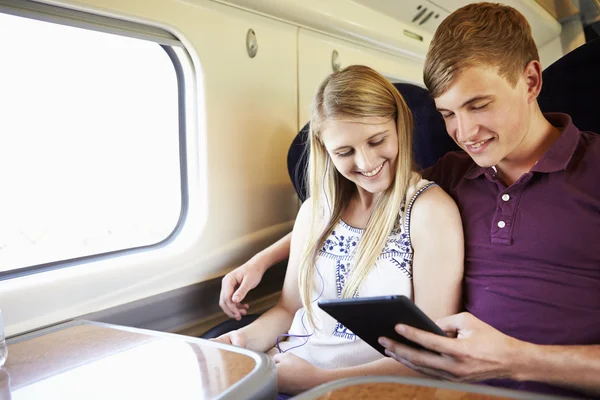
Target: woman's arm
x=295 y=375
x=262 y=334
x=237 y=283
x=438 y=242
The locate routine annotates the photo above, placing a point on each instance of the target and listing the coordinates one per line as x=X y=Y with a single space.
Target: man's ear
x=533 y=79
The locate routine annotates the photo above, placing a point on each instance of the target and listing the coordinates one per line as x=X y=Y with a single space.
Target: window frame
x=180 y=59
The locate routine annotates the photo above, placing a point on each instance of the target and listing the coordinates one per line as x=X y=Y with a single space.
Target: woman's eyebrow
x=378 y=133
x=370 y=137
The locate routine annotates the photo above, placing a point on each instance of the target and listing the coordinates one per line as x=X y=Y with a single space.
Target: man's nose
x=466 y=128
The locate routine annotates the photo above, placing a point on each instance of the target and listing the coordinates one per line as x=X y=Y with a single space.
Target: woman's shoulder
x=431 y=195
x=304 y=216
x=430 y=204
x=426 y=197
x=417 y=186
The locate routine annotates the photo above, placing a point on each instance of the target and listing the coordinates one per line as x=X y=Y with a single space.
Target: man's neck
x=541 y=135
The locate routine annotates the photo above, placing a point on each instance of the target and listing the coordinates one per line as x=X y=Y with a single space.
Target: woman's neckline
x=350 y=227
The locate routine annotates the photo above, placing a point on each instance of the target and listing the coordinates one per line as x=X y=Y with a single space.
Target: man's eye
x=481 y=107
x=446 y=116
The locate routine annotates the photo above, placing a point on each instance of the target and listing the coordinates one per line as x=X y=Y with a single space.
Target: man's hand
x=295 y=374
x=477 y=353
x=236 y=285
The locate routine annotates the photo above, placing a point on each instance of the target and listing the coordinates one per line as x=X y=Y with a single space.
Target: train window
x=90 y=143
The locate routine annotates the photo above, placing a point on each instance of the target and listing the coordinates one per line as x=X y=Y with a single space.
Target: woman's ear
x=533 y=79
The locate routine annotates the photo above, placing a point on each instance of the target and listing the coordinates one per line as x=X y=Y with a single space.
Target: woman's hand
x=295 y=374
x=236 y=338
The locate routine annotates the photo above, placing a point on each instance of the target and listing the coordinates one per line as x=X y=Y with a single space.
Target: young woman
x=371 y=227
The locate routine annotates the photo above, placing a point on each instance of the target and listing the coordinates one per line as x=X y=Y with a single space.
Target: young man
x=526 y=189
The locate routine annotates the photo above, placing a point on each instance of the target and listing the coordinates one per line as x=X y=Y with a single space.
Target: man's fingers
x=428 y=340
x=242 y=291
x=436 y=373
x=228 y=285
x=231 y=309
x=420 y=358
x=225 y=307
x=230 y=298
x=238 y=310
x=453 y=323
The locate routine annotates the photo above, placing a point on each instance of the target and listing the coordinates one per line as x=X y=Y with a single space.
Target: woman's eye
x=346 y=154
x=378 y=142
x=446 y=116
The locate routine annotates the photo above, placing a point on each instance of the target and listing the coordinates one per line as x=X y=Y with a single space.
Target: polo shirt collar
x=556 y=158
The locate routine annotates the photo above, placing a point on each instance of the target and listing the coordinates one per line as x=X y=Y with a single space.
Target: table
x=91 y=360
x=405 y=388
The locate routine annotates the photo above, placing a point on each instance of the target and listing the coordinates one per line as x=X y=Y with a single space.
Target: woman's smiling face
x=364 y=151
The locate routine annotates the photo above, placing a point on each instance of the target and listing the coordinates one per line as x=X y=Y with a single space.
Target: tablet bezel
x=370 y=318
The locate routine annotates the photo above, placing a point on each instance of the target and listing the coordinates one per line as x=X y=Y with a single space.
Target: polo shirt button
x=501 y=224
x=505 y=197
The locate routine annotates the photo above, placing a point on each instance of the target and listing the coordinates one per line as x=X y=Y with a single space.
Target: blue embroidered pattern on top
x=341 y=246
x=342 y=332
x=341 y=273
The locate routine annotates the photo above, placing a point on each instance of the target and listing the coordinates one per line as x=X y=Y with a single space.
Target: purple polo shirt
x=532 y=250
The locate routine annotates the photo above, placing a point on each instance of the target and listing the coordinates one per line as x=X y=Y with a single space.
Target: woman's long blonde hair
x=352 y=93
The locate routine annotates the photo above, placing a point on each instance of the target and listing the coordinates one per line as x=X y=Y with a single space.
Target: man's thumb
x=241 y=292
x=452 y=323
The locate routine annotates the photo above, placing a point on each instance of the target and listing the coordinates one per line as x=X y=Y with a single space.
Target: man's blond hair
x=479 y=34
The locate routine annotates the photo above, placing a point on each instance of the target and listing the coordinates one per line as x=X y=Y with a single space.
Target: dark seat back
x=572 y=85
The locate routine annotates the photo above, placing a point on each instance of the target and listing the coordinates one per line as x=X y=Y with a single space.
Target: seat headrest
x=430 y=139
x=571 y=85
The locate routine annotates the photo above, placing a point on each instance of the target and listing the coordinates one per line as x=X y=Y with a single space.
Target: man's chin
x=483 y=161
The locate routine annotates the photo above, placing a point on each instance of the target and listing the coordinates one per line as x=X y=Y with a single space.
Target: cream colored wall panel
x=416 y=14
x=315 y=63
x=243 y=117
x=251 y=120
x=347 y=20
x=550 y=52
x=572 y=35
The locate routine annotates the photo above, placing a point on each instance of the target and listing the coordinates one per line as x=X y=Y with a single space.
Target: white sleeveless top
x=335 y=346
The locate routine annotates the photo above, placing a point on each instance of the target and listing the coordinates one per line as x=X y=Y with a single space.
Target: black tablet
x=372 y=317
